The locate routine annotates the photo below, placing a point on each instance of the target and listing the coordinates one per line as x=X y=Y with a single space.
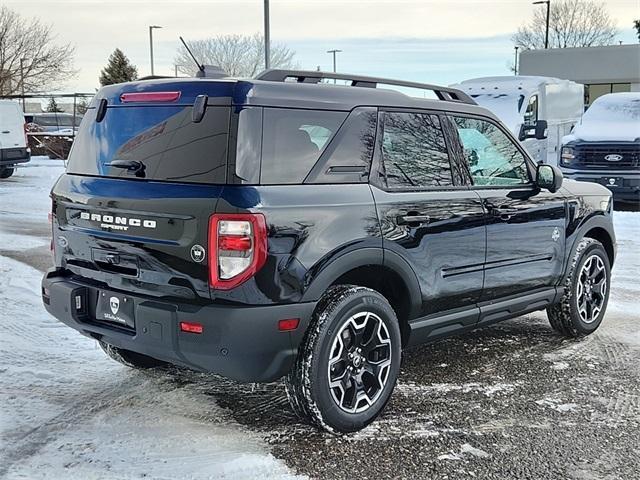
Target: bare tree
x=238 y=55
x=28 y=51
x=572 y=23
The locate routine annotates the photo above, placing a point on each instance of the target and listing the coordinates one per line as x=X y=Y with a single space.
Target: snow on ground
x=67 y=411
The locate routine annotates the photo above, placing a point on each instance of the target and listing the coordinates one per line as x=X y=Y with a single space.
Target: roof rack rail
x=311 y=76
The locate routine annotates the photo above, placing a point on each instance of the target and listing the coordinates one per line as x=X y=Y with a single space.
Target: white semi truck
x=538 y=110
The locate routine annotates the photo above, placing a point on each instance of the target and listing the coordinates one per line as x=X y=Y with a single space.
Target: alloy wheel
x=591 y=289
x=359 y=362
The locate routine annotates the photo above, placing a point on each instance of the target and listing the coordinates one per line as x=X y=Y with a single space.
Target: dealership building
x=601 y=70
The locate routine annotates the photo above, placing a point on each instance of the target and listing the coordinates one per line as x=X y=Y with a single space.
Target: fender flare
x=599 y=221
x=370 y=256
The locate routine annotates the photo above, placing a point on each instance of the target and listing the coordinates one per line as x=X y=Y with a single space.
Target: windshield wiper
x=134 y=166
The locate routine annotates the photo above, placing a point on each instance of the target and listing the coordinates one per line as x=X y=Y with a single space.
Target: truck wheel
x=130 y=359
x=6 y=172
x=586 y=292
x=349 y=361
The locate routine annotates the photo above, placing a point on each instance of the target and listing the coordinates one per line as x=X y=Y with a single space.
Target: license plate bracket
x=611 y=181
x=115 y=308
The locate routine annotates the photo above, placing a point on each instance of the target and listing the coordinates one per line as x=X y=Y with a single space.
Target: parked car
x=605 y=146
x=59 y=122
x=285 y=227
x=52 y=134
x=538 y=110
x=13 y=139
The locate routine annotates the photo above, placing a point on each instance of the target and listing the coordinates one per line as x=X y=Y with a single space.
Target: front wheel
x=349 y=361
x=586 y=292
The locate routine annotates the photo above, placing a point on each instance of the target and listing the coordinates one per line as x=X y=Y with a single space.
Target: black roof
x=301 y=89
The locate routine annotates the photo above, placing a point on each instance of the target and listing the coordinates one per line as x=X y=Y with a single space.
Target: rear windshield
x=156 y=142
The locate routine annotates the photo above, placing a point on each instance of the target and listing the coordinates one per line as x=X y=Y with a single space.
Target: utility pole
x=267 y=37
x=546 y=35
x=24 y=108
x=515 y=68
x=334 y=57
x=151 y=27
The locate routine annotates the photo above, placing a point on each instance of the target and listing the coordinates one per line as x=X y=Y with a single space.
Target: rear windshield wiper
x=134 y=166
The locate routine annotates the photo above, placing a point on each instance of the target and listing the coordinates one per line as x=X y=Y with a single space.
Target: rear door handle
x=6 y=131
x=413 y=219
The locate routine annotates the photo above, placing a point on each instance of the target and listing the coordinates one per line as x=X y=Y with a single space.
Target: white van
x=538 y=110
x=13 y=138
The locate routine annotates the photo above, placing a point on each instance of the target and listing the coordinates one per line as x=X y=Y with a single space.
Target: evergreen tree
x=118 y=70
x=636 y=25
x=52 y=106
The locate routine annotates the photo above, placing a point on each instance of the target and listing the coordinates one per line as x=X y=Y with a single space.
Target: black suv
x=290 y=227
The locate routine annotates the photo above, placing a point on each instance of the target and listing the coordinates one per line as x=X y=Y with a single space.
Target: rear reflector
x=288 y=324
x=149 y=97
x=191 y=327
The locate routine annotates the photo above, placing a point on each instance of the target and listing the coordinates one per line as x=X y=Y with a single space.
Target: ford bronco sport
x=289 y=227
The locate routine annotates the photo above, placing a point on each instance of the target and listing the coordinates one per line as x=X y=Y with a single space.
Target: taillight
x=237 y=248
x=149 y=97
x=26 y=137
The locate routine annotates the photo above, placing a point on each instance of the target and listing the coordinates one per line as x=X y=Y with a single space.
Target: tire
x=6 y=172
x=582 y=308
x=129 y=358
x=346 y=319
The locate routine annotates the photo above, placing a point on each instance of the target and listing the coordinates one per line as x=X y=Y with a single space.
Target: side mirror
x=549 y=177
x=537 y=131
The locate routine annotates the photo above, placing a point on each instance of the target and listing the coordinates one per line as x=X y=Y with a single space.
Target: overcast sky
x=434 y=41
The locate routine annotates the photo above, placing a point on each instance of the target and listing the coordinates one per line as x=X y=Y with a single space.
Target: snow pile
x=612 y=117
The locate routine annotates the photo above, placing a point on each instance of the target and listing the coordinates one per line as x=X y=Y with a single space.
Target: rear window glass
x=160 y=142
x=292 y=142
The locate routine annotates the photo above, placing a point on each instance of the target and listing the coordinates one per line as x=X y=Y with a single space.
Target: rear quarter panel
x=309 y=226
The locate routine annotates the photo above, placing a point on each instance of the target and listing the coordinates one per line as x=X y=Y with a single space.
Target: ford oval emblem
x=613 y=157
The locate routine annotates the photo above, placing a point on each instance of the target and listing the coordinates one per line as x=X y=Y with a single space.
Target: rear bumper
x=11 y=156
x=241 y=343
x=627 y=184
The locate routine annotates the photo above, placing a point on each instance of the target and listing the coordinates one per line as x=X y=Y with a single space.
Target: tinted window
x=414 y=151
x=249 y=145
x=493 y=158
x=163 y=139
x=292 y=141
x=347 y=159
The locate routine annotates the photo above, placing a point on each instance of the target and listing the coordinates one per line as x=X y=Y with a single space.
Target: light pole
x=334 y=57
x=515 y=68
x=546 y=35
x=151 y=27
x=267 y=37
x=22 y=83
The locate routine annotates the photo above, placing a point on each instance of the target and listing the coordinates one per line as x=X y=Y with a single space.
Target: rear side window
x=164 y=140
x=292 y=142
x=414 y=151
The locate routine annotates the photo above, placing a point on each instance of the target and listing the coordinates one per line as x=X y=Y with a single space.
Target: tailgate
x=132 y=211
x=144 y=237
